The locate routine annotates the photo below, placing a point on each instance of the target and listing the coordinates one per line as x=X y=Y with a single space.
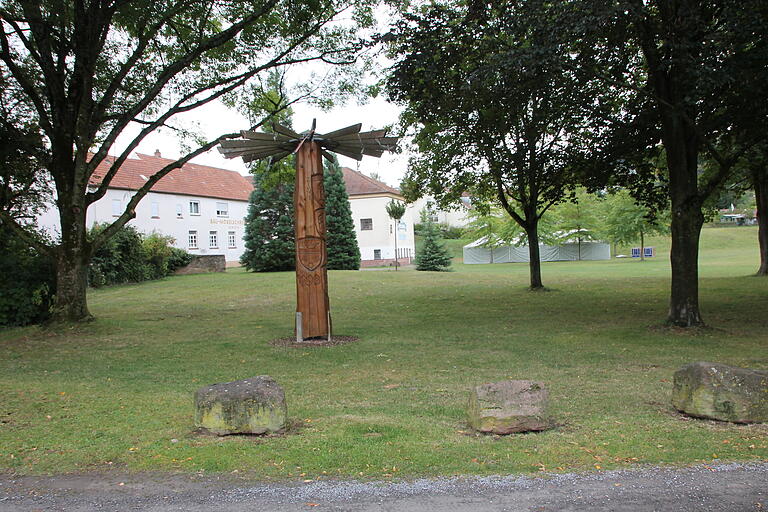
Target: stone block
x=508 y=407
x=249 y=406
x=721 y=392
x=204 y=264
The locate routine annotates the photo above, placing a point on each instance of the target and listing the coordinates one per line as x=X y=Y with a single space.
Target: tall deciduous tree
x=695 y=66
x=495 y=105
x=341 y=241
x=87 y=71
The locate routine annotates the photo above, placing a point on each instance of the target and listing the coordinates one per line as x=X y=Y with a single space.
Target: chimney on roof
x=157 y=153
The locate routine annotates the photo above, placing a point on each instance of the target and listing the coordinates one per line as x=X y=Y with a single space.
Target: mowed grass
x=117 y=393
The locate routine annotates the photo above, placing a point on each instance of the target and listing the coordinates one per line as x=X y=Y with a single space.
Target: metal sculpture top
x=348 y=141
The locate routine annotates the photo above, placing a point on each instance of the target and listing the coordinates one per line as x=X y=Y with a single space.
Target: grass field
x=117 y=393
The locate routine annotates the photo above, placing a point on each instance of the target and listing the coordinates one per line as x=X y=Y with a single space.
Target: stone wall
x=203 y=264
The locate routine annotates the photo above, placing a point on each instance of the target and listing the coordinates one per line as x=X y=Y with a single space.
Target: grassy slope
x=115 y=392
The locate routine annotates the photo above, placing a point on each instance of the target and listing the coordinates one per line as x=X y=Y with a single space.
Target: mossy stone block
x=250 y=406
x=508 y=407
x=721 y=392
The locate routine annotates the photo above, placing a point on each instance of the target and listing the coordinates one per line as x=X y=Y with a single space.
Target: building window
x=377 y=254
x=194 y=207
x=222 y=209
x=192 y=240
x=366 y=224
x=117 y=207
x=213 y=239
x=232 y=239
x=155 y=210
x=179 y=211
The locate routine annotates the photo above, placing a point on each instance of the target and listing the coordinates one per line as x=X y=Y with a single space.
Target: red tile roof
x=359 y=184
x=191 y=179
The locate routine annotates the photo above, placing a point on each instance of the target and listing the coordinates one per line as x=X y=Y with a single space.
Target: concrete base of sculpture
x=249 y=406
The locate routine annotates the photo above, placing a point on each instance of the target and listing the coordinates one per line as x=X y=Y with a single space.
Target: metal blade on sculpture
x=264 y=136
x=276 y=158
x=284 y=130
x=349 y=130
x=327 y=155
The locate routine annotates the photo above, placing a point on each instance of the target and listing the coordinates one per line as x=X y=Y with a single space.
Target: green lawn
x=116 y=392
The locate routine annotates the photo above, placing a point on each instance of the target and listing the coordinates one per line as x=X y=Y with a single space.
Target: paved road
x=726 y=488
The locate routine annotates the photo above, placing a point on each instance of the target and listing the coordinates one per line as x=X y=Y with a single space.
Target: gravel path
x=723 y=488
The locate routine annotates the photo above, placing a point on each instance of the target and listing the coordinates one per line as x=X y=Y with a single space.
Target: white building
x=455 y=217
x=374 y=229
x=203 y=208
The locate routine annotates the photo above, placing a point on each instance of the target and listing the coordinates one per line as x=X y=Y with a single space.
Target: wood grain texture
x=311 y=257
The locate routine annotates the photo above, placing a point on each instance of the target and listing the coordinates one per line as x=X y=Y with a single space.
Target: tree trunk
x=642 y=245
x=760 y=182
x=534 y=264
x=72 y=259
x=687 y=221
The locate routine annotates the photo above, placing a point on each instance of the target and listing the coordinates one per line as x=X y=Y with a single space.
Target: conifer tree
x=269 y=238
x=343 y=251
x=433 y=254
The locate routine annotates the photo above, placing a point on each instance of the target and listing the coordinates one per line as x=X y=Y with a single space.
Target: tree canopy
x=85 y=72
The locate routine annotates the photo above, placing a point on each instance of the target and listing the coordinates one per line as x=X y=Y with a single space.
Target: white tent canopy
x=476 y=253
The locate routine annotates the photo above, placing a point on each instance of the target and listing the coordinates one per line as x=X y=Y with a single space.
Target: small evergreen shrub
x=27 y=282
x=433 y=254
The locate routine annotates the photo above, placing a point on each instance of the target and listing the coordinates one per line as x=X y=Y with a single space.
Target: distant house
x=375 y=231
x=454 y=217
x=203 y=208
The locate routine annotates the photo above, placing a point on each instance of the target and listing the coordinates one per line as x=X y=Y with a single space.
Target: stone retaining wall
x=204 y=264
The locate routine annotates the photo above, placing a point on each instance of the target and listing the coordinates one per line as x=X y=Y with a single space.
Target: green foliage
x=395 y=209
x=626 y=221
x=433 y=254
x=130 y=257
x=343 y=250
x=577 y=219
x=157 y=252
x=269 y=236
x=177 y=259
x=121 y=259
x=27 y=282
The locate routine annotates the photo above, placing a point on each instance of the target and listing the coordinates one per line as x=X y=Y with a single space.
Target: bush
x=177 y=259
x=451 y=232
x=157 y=251
x=27 y=282
x=130 y=257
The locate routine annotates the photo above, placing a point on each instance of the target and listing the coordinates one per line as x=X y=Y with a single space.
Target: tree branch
x=9 y=221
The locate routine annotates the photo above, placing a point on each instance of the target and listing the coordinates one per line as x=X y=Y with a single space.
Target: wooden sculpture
x=313 y=317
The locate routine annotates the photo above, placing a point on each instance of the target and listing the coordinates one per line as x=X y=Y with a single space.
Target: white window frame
x=370 y=225
x=213 y=239
x=154 y=210
x=117 y=207
x=232 y=239
x=379 y=254
x=222 y=209
x=196 y=209
x=192 y=240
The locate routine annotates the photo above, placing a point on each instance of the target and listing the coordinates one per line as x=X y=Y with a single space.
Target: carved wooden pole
x=313 y=317
x=312 y=306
